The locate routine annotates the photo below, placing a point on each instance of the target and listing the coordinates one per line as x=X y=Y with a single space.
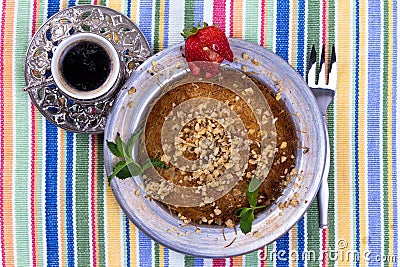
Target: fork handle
x=323 y=193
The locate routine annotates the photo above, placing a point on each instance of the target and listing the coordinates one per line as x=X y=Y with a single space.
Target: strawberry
x=205 y=48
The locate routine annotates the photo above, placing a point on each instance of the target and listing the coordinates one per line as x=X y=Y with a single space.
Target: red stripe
x=219 y=263
x=323 y=21
x=262 y=41
x=219 y=13
x=3 y=15
x=324 y=256
x=33 y=159
x=93 y=213
x=231 y=19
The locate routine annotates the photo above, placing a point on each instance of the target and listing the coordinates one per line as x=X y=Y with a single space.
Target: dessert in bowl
x=206 y=224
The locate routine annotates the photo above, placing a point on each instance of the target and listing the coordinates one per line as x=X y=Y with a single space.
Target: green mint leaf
x=113 y=149
x=120 y=145
x=252 y=197
x=128 y=147
x=155 y=162
x=239 y=211
x=117 y=169
x=246 y=220
x=254 y=184
x=134 y=169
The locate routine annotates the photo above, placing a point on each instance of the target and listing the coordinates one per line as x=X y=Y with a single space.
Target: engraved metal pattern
x=82 y=116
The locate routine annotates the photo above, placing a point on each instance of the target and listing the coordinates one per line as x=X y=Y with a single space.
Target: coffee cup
x=86 y=66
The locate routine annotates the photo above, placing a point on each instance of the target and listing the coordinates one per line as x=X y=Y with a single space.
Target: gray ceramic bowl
x=156 y=221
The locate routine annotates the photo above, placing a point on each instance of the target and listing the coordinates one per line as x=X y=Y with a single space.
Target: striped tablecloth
x=56 y=208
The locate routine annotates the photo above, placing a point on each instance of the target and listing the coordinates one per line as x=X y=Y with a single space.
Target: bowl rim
x=301 y=209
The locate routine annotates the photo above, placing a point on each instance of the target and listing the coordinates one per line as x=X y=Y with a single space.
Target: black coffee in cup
x=85 y=65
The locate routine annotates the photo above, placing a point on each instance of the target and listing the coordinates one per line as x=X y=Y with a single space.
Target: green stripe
x=157 y=27
x=385 y=130
x=313 y=38
x=189 y=261
x=100 y=201
x=252 y=21
x=22 y=184
x=81 y=199
x=331 y=132
x=251 y=259
x=189 y=13
x=189 y=21
x=103 y=2
x=270 y=28
x=84 y=2
x=156 y=254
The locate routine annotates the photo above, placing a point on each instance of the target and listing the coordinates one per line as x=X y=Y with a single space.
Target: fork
x=324 y=91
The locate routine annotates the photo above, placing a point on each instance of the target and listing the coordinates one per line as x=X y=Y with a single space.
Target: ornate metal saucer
x=79 y=115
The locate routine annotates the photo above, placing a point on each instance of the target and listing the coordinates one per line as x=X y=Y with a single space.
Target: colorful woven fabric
x=57 y=209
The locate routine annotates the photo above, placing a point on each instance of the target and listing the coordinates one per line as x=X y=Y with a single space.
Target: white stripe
x=74 y=201
x=59 y=192
x=274 y=26
x=176 y=22
x=243 y=19
x=175 y=258
x=43 y=192
x=208 y=11
x=227 y=17
x=207 y=263
x=291 y=58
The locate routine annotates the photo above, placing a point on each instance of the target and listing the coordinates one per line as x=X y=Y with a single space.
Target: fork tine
x=332 y=76
x=321 y=75
x=311 y=69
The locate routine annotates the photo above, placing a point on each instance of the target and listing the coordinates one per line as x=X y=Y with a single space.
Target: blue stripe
x=198 y=262
x=300 y=241
x=394 y=133
x=51 y=194
x=300 y=36
x=166 y=257
x=68 y=200
x=145 y=19
x=356 y=148
x=51 y=178
x=198 y=11
x=373 y=129
x=128 y=8
x=145 y=250
x=282 y=249
x=301 y=70
x=128 y=242
x=282 y=49
x=166 y=23
x=71 y=3
x=282 y=29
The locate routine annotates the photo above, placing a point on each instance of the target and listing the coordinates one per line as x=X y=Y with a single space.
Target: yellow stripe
x=113 y=229
x=115 y=4
x=161 y=256
x=134 y=243
x=134 y=10
x=389 y=127
x=343 y=111
x=363 y=69
x=161 y=25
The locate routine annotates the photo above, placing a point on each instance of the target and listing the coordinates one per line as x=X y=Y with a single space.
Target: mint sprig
x=128 y=167
x=246 y=214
